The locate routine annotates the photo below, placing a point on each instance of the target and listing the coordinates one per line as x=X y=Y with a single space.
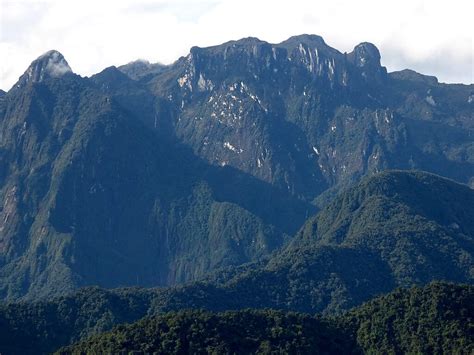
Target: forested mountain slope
x=332 y=265
x=91 y=195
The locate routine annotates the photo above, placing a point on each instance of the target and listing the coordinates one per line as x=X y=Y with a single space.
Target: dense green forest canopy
x=437 y=318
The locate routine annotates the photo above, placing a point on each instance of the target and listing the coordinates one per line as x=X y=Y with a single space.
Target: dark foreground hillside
x=233 y=332
x=436 y=319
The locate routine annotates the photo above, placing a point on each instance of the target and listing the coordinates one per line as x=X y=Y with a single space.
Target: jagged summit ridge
x=251 y=60
x=263 y=59
x=50 y=64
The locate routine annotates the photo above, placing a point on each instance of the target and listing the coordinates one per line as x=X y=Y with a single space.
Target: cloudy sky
x=430 y=36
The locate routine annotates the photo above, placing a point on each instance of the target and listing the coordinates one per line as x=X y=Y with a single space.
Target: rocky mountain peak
x=247 y=41
x=250 y=46
x=310 y=40
x=50 y=64
x=366 y=55
x=304 y=44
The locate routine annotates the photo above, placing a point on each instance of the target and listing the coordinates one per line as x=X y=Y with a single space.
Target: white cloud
x=56 y=66
x=430 y=36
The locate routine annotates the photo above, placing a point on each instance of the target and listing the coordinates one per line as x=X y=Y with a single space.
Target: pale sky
x=433 y=37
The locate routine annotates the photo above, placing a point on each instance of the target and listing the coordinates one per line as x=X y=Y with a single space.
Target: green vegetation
x=242 y=332
x=393 y=229
x=40 y=328
x=436 y=319
x=419 y=225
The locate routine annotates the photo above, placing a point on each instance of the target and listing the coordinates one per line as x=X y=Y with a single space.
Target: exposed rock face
x=305 y=117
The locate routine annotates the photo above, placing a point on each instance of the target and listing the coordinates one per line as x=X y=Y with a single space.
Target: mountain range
x=247 y=175
x=155 y=175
